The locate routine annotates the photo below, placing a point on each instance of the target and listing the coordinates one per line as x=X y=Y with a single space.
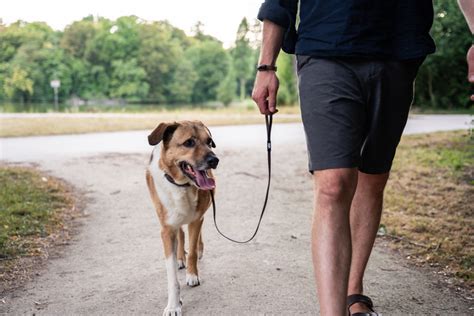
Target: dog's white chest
x=179 y=202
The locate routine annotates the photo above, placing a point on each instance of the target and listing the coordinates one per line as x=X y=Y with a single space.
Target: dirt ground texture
x=115 y=264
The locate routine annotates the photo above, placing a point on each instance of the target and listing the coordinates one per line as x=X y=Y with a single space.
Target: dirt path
x=115 y=264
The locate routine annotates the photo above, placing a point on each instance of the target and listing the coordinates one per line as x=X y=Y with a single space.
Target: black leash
x=268 y=123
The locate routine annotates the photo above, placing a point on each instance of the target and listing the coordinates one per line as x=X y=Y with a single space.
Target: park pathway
x=115 y=266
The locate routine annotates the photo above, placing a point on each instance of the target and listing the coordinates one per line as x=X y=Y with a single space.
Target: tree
x=113 y=40
x=182 y=83
x=210 y=61
x=288 y=91
x=441 y=80
x=18 y=84
x=227 y=88
x=128 y=80
x=125 y=58
x=242 y=55
x=199 y=34
x=78 y=36
x=160 y=53
x=37 y=53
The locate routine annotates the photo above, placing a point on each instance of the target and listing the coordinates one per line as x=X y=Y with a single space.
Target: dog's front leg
x=169 y=238
x=181 y=252
x=194 y=229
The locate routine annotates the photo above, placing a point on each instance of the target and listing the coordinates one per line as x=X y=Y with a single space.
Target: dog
x=179 y=177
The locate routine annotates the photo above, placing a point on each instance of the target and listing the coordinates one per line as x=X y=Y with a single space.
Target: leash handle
x=268 y=123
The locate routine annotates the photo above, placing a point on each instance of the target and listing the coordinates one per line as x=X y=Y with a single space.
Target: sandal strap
x=359 y=298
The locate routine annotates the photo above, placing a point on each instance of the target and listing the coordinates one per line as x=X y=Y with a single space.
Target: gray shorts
x=354 y=110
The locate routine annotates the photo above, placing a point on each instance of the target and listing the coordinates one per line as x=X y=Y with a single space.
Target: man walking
x=357 y=61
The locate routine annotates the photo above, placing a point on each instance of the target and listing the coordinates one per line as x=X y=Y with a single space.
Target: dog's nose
x=212 y=161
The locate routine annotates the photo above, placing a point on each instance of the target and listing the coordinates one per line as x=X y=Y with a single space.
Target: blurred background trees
x=133 y=60
x=442 y=79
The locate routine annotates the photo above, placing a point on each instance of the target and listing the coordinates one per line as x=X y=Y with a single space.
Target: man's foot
x=360 y=305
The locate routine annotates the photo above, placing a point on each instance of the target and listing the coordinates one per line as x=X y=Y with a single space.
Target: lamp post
x=55 y=84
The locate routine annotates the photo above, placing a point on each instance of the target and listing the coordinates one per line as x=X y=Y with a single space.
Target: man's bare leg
x=331 y=237
x=366 y=210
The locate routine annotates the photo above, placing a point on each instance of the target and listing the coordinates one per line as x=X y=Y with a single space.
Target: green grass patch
x=30 y=210
x=428 y=110
x=429 y=202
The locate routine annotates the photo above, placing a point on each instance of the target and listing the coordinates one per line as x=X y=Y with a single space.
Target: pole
x=56 y=106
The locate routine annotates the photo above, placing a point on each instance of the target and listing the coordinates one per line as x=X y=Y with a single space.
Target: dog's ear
x=213 y=145
x=162 y=132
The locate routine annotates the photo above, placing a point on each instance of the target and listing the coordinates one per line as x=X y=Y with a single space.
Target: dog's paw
x=192 y=280
x=172 y=311
x=181 y=264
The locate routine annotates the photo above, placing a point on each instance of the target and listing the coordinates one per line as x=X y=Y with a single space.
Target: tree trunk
x=430 y=89
x=242 y=88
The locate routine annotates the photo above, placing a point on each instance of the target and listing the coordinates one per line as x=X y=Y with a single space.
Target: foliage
x=441 y=81
x=287 y=93
x=227 y=88
x=211 y=63
x=242 y=57
x=98 y=58
x=181 y=84
x=18 y=82
x=127 y=80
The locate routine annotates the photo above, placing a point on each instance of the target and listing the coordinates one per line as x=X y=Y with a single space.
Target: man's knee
x=335 y=184
x=372 y=183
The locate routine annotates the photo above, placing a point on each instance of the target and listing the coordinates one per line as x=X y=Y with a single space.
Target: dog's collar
x=170 y=179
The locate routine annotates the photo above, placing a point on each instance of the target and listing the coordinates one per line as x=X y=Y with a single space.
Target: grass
x=429 y=202
x=428 y=110
x=56 y=124
x=32 y=208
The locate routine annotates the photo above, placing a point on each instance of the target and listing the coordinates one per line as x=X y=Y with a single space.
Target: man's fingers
x=261 y=101
x=265 y=91
x=470 y=64
x=272 y=101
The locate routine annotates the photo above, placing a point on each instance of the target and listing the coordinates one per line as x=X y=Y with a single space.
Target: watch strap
x=265 y=67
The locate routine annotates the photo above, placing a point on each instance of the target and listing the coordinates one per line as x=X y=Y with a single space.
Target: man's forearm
x=271 y=43
x=467 y=8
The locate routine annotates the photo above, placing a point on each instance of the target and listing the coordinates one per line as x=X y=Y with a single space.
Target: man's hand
x=265 y=91
x=266 y=83
x=470 y=65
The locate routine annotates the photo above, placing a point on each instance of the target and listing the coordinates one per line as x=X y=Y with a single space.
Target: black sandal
x=359 y=298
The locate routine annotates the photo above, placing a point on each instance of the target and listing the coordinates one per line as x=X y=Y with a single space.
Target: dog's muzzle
x=212 y=161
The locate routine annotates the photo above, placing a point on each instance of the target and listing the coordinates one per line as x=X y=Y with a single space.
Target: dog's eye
x=209 y=142
x=189 y=143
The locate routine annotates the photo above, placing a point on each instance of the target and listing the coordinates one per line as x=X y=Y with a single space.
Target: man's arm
x=266 y=82
x=278 y=17
x=467 y=8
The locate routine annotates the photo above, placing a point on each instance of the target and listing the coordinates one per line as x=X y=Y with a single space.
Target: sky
x=220 y=17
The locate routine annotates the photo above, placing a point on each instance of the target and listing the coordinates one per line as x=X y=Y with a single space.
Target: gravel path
x=115 y=265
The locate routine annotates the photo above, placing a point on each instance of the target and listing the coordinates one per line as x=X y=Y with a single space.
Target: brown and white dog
x=179 y=178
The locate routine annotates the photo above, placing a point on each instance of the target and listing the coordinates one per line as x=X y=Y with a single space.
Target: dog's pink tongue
x=204 y=182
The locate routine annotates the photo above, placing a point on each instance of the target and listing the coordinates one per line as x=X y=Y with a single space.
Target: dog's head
x=186 y=151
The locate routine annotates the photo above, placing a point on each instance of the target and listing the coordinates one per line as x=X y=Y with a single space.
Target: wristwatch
x=264 y=67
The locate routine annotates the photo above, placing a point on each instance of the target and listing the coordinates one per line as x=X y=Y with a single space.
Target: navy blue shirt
x=386 y=29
